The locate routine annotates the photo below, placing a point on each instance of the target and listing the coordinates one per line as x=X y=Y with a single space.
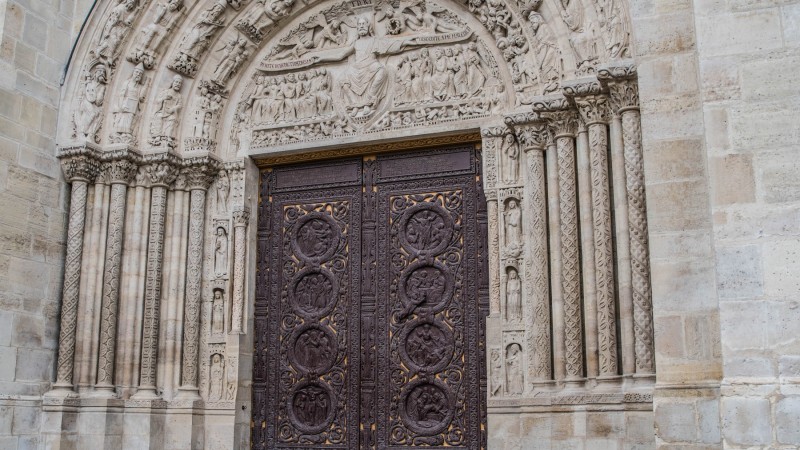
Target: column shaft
x=553 y=194
x=240 y=219
x=72 y=279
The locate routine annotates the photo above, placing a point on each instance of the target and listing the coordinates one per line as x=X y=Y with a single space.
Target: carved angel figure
x=87 y=115
x=235 y=54
x=114 y=29
x=151 y=36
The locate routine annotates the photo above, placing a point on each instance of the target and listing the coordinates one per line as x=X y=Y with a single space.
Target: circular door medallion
x=426 y=346
x=312 y=407
x=313 y=349
x=426 y=287
x=426 y=407
x=314 y=292
x=426 y=228
x=316 y=237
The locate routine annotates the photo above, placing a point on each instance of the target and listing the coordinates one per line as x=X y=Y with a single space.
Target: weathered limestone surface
x=680 y=332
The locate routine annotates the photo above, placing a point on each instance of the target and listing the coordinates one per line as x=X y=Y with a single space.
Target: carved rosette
x=160 y=174
x=240 y=220
x=199 y=174
x=119 y=171
x=80 y=168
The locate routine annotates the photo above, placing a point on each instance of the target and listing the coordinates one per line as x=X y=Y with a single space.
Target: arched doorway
x=174 y=103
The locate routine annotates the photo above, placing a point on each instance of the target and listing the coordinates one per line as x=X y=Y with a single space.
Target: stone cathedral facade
x=385 y=224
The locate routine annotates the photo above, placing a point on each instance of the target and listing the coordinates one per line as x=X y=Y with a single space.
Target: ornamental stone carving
x=126 y=111
x=148 y=40
x=165 y=119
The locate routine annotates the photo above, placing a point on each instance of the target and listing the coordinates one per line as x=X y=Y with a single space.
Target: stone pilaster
x=594 y=110
x=120 y=169
x=199 y=176
x=240 y=220
x=160 y=174
x=80 y=167
x=491 y=136
x=624 y=96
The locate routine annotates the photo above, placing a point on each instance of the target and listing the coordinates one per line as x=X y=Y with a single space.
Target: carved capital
x=624 y=95
x=492 y=132
x=562 y=123
x=593 y=109
x=199 y=172
x=119 y=167
x=532 y=136
x=582 y=87
x=616 y=71
x=547 y=103
x=161 y=173
x=522 y=118
x=79 y=163
x=240 y=217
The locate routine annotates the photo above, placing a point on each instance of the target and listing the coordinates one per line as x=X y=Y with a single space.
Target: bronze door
x=372 y=291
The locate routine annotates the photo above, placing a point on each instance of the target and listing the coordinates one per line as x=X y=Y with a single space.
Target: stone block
x=777 y=174
x=787 y=420
x=677 y=246
x=8 y=442
x=6 y=419
x=727 y=34
x=782 y=335
x=719 y=78
x=732 y=180
x=678 y=206
x=791 y=23
x=716 y=123
x=781 y=266
x=604 y=425
x=675 y=422
x=8 y=357
x=702 y=336
x=757 y=222
x=759 y=127
x=789 y=366
x=683 y=286
x=746 y=421
x=743 y=325
x=9 y=104
x=708 y=421
x=670 y=342
x=770 y=79
x=26 y=420
x=36 y=365
x=671 y=117
x=28 y=331
x=674 y=160
x=664 y=33
x=748 y=366
x=25 y=57
x=739 y=273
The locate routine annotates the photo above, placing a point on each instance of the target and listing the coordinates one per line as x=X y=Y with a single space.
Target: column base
x=146 y=393
x=188 y=393
x=61 y=390
x=104 y=391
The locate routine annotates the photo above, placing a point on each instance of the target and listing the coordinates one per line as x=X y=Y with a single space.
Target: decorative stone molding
x=241 y=218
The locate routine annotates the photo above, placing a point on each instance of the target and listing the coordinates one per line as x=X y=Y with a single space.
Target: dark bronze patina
x=372 y=291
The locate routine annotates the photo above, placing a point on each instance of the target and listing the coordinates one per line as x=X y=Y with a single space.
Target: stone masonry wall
x=36 y=39
x=749 y=71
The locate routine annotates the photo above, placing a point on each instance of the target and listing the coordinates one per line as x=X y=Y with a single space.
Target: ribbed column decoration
x=594 y=110
x=625 y=100
x=240 y=219
x=199 y=175
x=80 y=167
x=160 y=174
x=120 y=170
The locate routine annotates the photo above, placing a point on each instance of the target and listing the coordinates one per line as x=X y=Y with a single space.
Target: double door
x=371 y=296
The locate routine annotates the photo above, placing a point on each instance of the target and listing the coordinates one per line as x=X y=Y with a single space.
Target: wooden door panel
x=370 y=304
